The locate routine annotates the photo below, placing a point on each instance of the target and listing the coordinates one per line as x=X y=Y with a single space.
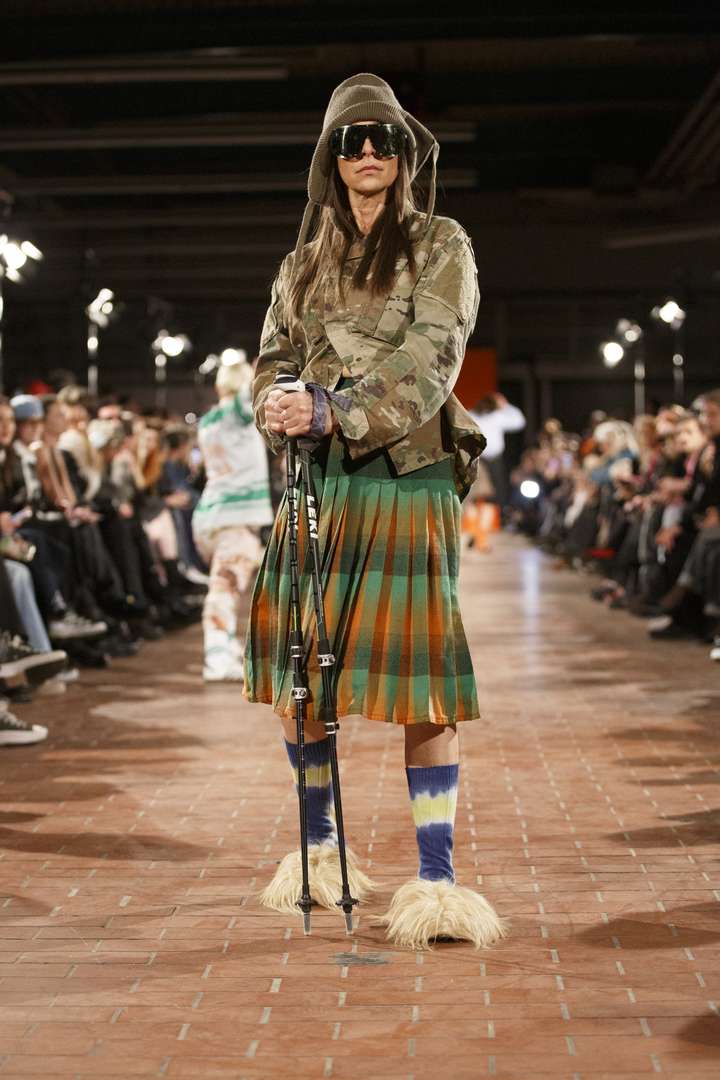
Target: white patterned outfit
x=233 y=507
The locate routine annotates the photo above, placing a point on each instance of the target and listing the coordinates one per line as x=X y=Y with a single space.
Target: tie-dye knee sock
x=320 y=817
x=433 y=797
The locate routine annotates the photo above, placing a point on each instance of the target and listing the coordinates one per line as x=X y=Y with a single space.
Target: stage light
x=13 y=255
x=209 y=364
x=103 y=297
x=101 y=308
x=32 y=252
x=160 y=360
x=630 y=332
x=229 y=357
x=92 y=343
x=173 y=345
x=670 y=313
x=191 y=418
x=530 y=489
x=612 y=353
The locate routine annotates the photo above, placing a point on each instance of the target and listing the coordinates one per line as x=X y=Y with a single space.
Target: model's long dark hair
x=324 y=259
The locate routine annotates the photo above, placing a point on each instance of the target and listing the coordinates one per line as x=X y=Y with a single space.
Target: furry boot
x=424 y=911
x=283 y=892
x=432 y=906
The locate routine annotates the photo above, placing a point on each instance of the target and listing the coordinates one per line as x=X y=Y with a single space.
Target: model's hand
x=273 y=417
x=291 y=414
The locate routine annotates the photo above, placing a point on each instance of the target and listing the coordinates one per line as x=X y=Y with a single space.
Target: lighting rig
x=166 y=346
x=630 y=337
x=99 y=313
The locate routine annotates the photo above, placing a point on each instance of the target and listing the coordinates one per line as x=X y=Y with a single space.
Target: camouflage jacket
x=404 y=350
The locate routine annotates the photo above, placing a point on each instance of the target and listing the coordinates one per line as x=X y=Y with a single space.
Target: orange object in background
x=479 y=520
x=478 y=375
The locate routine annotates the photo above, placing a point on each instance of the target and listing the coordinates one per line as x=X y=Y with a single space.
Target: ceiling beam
x=160 y=219
x=678 y=234
x=297 y=41
x=219 y=65
x=182 y=183
x=302 y=130
x=690 y=148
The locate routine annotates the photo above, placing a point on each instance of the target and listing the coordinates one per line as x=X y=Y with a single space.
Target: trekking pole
x=299 y=678
x=326 y=660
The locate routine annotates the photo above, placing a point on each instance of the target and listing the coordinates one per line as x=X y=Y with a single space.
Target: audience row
x=640 y=501
x=96 y=548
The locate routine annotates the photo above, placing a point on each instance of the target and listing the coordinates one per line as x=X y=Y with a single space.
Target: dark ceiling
x=160 y=147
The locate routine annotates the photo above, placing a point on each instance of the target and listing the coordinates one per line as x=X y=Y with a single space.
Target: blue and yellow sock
x=433 y=797
x=320 y=818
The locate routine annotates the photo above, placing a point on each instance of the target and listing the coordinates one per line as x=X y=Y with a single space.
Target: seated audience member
x=693 y=604
x=155 y=505
x=20 y=498
x=643 y=503
x=178 y=480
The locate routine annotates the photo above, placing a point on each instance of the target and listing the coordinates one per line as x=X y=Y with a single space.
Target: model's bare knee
x=314 y=730
x=431 y=744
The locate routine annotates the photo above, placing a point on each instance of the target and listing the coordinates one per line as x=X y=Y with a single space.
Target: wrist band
x=321 y=410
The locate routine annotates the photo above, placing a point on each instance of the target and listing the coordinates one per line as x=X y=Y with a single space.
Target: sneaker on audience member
x=59 y=683
x=17 y=658
x=68 y=675
x=87 y=655
x=666 y=629
x=52 y=687
x=116 y=648
x=73 y=626
x=14 y=732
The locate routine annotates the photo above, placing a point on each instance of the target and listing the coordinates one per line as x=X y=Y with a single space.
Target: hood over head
x=364 y=97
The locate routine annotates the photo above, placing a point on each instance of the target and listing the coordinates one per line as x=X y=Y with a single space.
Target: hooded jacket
x=402 y=349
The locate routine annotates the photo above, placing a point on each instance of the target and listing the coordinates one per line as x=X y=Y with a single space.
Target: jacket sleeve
x=277 y=355
x=410 y=386
x=511 y=418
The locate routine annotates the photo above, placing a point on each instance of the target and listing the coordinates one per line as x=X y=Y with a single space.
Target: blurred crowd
x=119 y=524
x=96 y=545
x=640 y=502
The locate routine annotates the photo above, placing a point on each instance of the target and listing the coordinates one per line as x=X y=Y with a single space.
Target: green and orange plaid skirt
x=390 y=547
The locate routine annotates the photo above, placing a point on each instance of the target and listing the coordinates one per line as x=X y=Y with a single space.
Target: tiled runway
x=135 y=838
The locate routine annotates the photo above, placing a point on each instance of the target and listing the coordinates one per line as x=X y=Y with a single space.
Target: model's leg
x=431 y=760
x=283 y=892
x=432 y=906
x=236 y=555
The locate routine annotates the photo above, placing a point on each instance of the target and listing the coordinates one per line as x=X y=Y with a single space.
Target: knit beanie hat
x=364 y=97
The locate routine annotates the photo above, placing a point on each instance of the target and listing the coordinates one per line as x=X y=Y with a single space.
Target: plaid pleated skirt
x=390 y=557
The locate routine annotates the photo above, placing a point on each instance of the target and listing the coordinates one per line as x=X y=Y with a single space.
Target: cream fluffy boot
x=283 y=892
x=423 y=911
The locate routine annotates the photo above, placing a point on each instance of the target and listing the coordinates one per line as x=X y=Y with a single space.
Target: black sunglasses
x=388 y=140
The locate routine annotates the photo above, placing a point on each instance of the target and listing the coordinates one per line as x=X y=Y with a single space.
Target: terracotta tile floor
x=135 y=838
